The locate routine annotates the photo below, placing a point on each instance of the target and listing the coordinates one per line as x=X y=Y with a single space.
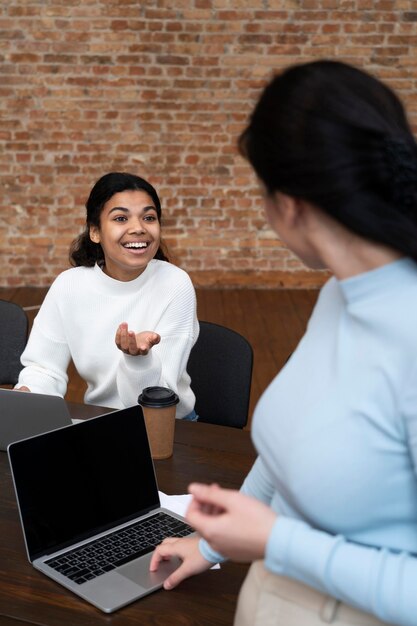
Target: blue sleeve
x=375 y=580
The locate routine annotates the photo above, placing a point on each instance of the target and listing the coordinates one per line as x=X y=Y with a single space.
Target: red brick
x=25 y=57
x=165 y=92
x=19 y=11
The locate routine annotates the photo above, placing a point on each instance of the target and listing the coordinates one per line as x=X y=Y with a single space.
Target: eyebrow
x=125 y=210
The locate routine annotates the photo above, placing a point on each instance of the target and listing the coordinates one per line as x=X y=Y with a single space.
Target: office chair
x=13 y=337
x=220 y=367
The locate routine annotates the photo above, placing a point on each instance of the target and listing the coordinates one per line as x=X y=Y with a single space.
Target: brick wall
x=162 y=88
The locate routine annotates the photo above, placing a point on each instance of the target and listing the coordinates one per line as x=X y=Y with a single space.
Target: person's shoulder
x=328 y=290
x=167 y=270
x=73 y=277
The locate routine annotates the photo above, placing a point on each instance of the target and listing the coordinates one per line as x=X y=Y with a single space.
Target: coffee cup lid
x=158 y=397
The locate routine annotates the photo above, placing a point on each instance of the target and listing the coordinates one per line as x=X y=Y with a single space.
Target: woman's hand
x=22 y=388
x=187 y=550
x=135 y=344
x=234 y=524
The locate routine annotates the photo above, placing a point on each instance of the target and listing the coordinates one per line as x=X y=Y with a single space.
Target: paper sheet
x=177 y=504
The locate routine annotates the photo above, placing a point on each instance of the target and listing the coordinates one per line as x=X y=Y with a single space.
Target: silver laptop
x=90 y=510
x=23 y=414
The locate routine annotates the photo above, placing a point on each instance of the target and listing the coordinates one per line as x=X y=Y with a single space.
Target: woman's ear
x=94 y=234
x=289 y=208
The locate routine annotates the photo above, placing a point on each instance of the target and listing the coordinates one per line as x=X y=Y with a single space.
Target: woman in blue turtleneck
x=328 y=513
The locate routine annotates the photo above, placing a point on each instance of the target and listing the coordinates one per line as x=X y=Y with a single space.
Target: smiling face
x=129 y=234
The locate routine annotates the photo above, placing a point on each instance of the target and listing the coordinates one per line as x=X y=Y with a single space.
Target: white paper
x=177 y=504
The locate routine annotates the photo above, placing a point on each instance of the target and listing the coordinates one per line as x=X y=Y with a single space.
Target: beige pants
x=266 y=599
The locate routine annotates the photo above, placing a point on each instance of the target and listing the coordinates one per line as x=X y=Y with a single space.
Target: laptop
x=90 y=510
x=23 y=414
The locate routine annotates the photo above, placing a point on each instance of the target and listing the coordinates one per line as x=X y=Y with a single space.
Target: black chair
x=220 y=367
x=13 y=337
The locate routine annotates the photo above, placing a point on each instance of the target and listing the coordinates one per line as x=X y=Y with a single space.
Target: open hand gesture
x=135 y=343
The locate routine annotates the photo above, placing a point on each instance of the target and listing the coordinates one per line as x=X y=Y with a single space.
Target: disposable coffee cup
x=158 y=404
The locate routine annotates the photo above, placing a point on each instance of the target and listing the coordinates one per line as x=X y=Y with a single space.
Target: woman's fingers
x=234 y=524
x=209 y=502
x=135 y=343
x=188 y=551
x=122 y=337
x=180 y=574
x=163 y=552
x=212 y=496
x=146 y=340
x=132 y=347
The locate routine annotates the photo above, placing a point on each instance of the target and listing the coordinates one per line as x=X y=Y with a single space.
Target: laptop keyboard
x=117 y=548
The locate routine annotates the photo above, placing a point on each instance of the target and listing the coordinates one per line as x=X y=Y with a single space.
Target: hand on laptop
x=187 y=550
x=135 y=343
x=22 y=388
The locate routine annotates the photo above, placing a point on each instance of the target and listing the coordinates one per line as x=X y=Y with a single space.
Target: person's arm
x=46 y=357
x=378 y=581
x=166 y=360
x=232 y=517
x=375 y=580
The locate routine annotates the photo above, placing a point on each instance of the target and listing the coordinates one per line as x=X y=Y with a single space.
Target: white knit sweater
x=79 y=318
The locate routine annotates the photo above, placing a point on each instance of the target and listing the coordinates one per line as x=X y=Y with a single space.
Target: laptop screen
x=80 y=480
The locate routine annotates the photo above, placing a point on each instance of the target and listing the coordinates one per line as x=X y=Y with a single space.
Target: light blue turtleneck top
x=336 y=434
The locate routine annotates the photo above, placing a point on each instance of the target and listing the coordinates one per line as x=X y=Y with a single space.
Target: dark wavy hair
x=337 y=137
x=85 y=252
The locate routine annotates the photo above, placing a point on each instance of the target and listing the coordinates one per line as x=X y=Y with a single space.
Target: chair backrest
x=220 y=367
x=13 y=337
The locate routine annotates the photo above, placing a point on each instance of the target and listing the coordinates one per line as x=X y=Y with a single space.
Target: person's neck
x=346 y=254
x=122 y=276
x=357 y=259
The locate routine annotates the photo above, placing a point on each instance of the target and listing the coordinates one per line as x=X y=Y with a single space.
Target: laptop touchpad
x=138 y=571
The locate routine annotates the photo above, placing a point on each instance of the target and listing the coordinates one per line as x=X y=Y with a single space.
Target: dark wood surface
x=273 y=320
x=202 y=452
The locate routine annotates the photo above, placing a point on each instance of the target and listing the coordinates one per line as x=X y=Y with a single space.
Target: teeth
x=136 y=244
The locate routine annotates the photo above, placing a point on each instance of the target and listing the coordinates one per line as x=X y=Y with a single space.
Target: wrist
x=267 y=529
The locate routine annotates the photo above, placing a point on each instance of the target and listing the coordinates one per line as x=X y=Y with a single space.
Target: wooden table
x=202 y=452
